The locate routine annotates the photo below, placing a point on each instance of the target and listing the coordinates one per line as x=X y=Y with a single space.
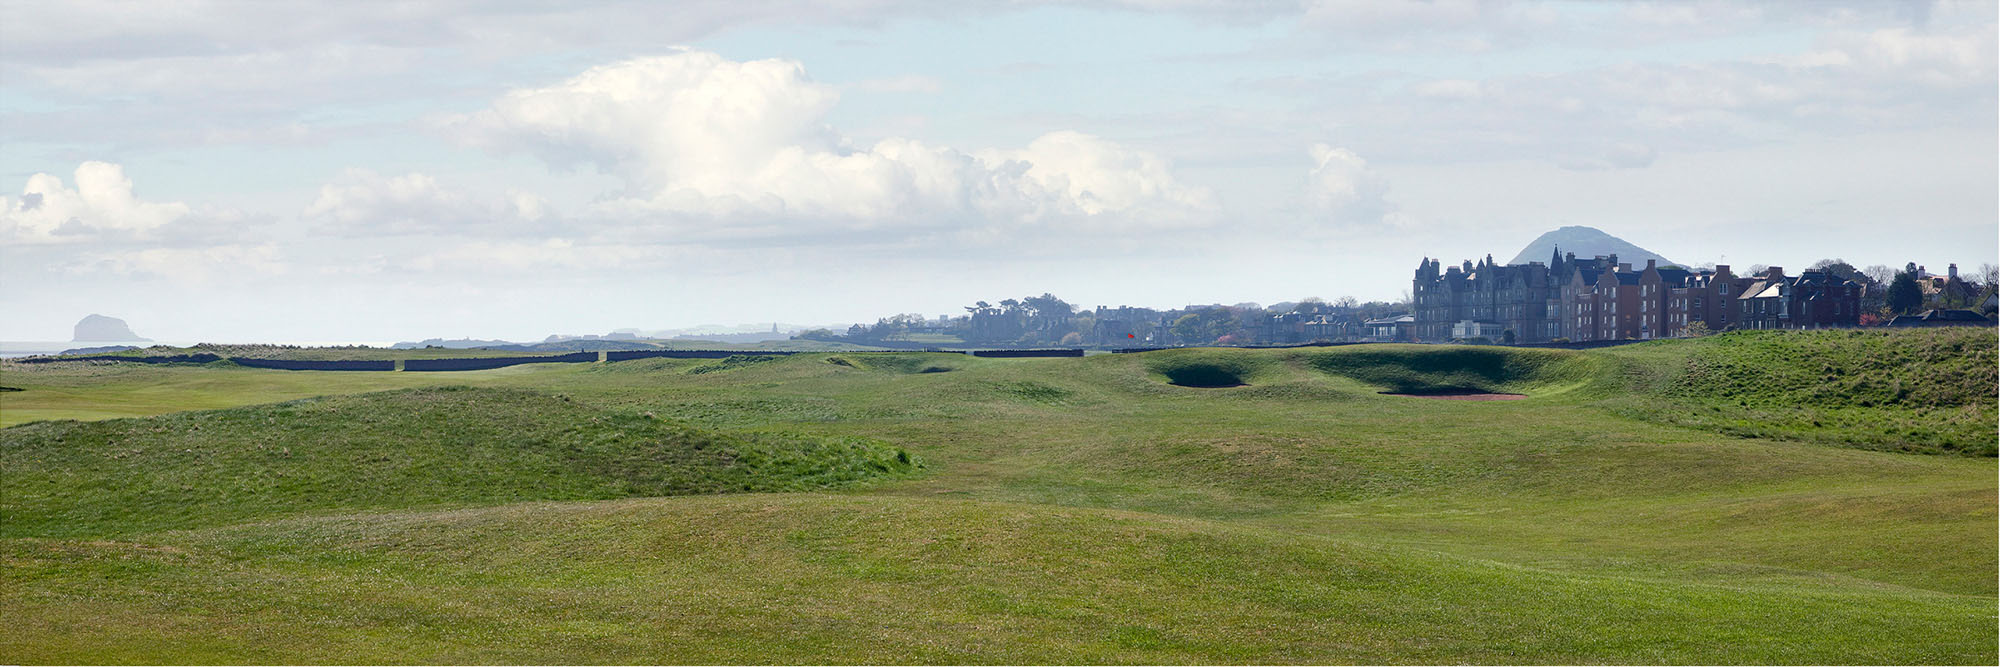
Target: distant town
x=1619 y=292
x=1567 y=298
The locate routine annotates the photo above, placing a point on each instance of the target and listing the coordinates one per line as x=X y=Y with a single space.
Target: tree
x=1187 y=328
x=1347 y=302
x=1878 y=274
x=1049 y=307
x=1695 y=329
x=1904 y=295
x=1874 y=298
x=1839 y=268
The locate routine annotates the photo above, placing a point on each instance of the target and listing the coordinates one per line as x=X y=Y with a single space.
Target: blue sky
x=378 y=171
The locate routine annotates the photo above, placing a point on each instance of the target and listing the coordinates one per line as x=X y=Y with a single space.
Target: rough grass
x=106 y=390
x=1927 y=391
x=1078 y=510
x=731 y=362
x=410 y=448
x=899 y=362
x=856 y=580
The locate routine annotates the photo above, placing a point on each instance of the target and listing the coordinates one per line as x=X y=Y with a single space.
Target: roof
x=1941 y=318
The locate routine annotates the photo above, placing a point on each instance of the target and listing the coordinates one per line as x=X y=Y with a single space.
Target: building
x=1399 y=329
x=1942 y=318
x=1599 y=298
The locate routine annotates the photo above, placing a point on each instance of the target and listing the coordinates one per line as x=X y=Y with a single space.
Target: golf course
x=1822 y=497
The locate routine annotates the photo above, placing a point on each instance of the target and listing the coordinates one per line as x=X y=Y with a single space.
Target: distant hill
x=96 y=328
x=102 y=349
x=456 y=343
x=1586 y=242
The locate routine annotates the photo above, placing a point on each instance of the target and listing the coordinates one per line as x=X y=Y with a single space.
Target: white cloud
x=1461 y=25
x=1614 y=156
x=559 y=254
x=1944 y=60
x=101 y=206
x=908 y=83
x=1342 y=187
x=362 y=202
x=184 y=265
x=714 y=141
x=1457 y=89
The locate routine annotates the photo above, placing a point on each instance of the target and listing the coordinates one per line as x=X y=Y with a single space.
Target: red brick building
x=1601 y=299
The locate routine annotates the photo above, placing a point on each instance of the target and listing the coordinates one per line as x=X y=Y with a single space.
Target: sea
x=23 y=348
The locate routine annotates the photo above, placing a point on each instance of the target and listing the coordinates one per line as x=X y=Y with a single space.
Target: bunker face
x=1461 y=396
x=1205 y=376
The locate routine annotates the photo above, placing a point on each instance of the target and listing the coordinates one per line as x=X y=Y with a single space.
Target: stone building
x=1601 y=299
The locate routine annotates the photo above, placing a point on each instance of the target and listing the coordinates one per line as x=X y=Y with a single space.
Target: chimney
x=1649 y=265
x=1774 y=272
x=1952 y=270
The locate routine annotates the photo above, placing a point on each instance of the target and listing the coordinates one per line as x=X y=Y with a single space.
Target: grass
x=1927 y=391
x=106 y=390
x=1068 y=510
x=805 y=579
x=1418 y=370
x=391 y=450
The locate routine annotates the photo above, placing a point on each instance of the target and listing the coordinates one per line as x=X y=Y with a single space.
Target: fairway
x=1757 y=497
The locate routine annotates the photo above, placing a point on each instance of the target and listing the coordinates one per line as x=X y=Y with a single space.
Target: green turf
x=105 y=390
x=1923 y=390
x=398 y=449
x=813 y=579
x=1068 y=510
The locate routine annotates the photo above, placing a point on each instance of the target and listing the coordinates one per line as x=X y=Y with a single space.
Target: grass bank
x=393 y=450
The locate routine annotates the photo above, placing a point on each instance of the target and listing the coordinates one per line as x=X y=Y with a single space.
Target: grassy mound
x=1413 y=369
x=732 y=362
x=1920 y=390
x=867 y=580
x=388 y=450
x=1207 y=368
x=907 y=363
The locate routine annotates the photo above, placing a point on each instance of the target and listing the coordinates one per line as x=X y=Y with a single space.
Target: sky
x=378 y=171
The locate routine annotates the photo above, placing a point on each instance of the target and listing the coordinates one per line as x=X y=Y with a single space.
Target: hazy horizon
x=503 y=172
